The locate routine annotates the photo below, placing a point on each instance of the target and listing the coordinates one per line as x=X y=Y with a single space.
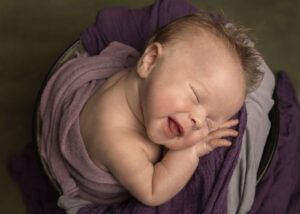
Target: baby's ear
x=148 y=59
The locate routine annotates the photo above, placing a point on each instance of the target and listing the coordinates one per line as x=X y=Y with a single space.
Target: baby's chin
x=177 y=143
x=160 y=140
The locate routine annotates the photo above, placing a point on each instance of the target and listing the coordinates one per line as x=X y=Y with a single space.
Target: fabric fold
x=62 y=147
x=132 y=26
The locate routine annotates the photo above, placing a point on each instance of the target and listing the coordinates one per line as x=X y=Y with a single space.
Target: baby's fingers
x=215 y=139
x=229 y=123
x=219 y=133
x=212 y=145
x=215 y=143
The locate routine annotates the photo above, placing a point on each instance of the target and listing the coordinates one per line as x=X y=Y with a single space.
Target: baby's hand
x=214 y=139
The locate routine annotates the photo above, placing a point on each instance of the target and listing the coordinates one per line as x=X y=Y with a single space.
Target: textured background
x=34 y=33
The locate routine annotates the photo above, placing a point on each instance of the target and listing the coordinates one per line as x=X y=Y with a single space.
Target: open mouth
x=175 y=129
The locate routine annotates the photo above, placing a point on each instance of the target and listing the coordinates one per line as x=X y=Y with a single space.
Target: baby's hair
x=235 y=36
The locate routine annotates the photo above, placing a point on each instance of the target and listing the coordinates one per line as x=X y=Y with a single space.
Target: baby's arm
x=155 y=184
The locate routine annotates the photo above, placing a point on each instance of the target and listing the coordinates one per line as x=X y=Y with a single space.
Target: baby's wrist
x=195 y=152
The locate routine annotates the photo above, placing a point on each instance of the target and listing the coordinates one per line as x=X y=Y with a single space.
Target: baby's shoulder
x=112 y=143
x=109 y=134
x=107 y=128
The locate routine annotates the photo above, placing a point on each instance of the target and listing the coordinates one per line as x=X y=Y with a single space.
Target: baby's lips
x=180 y=130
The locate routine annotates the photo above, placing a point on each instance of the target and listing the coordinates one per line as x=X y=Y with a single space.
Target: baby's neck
x=130 y=85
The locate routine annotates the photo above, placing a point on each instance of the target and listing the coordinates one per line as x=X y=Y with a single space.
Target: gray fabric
x=242 y=186
x=71 y=204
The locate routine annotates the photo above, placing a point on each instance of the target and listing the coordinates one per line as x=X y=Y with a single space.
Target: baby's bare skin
x=125 y=123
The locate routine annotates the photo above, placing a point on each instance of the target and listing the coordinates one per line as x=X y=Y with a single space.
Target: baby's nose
x=197 y=121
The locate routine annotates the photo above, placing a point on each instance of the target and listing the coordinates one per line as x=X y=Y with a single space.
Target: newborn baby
x=174 y=106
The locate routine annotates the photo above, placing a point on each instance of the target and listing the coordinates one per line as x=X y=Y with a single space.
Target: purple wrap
x=132 y=26
x=279 y=190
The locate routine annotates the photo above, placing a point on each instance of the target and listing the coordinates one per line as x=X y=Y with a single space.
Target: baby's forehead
x=189 y=32
x=229 y=95
x=200 y=39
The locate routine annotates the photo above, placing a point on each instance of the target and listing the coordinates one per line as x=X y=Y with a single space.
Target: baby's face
x=192 y=88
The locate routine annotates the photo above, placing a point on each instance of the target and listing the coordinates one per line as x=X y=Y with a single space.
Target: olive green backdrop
x=34 y=33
